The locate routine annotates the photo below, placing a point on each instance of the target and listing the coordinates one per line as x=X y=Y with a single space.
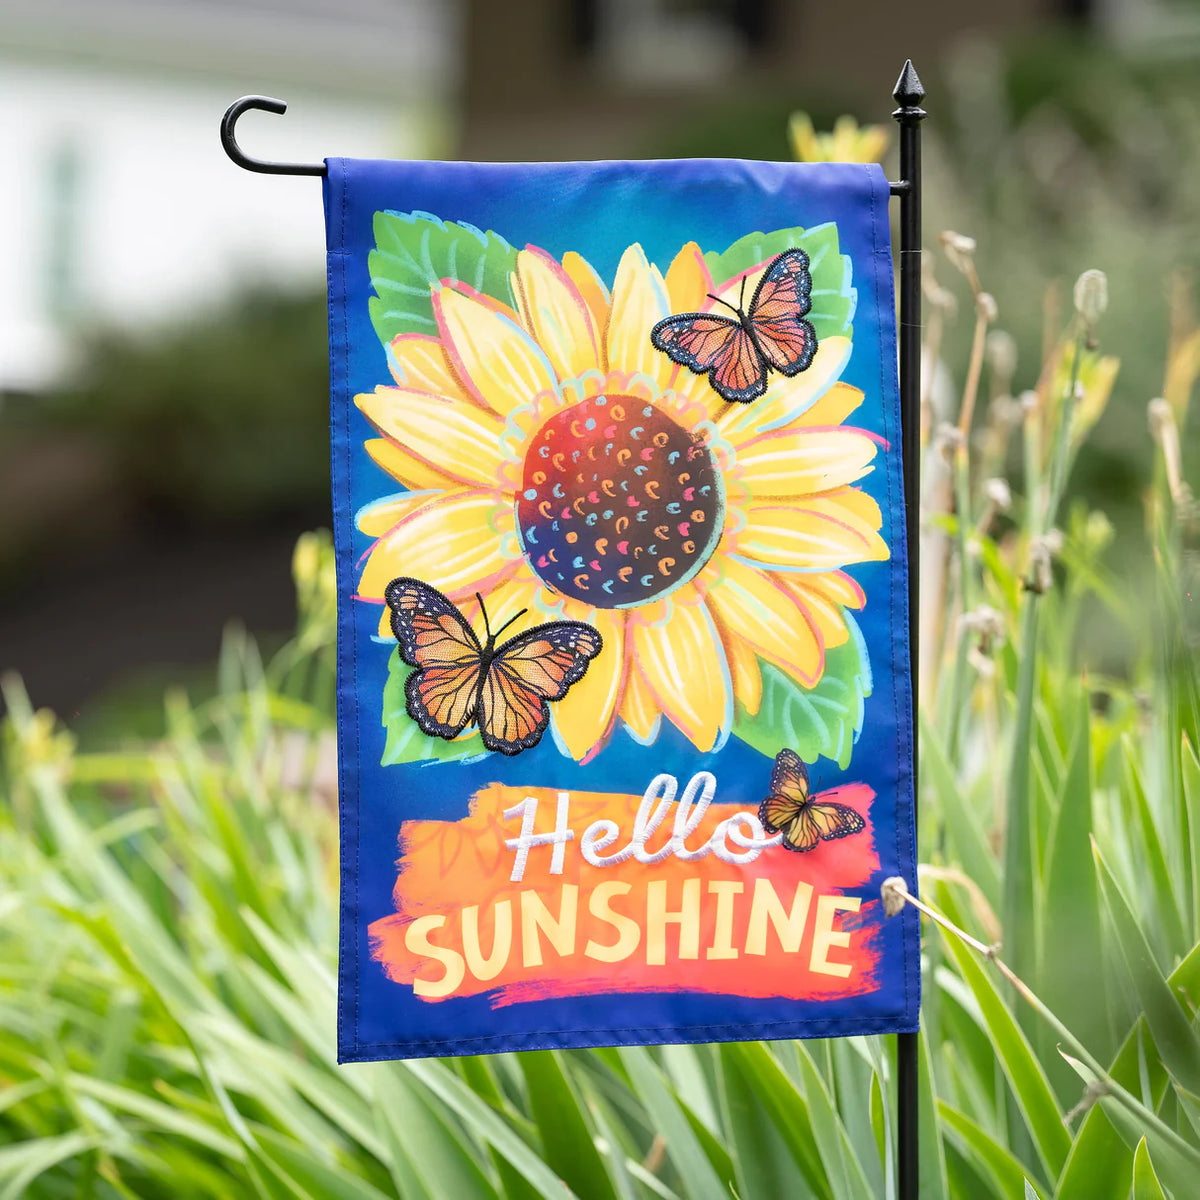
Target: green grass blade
x=846 y=1177
x=1099 y=1165
x=764 y=1075
x=1031 y=1088
x=1145 y=1182
x=700 y=1180
x=26 y=1161
x=421 y=1145
x=763 y=1163
x=567 y=1143
x=967 y=839
x=975 y=1143
x=933 y=1181
x=485 y=1124
x=1177 y=1161
x=1176 y=1039
x=1072 y=980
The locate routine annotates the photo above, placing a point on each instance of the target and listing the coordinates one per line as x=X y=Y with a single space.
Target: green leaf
x=968 y=838
x=1145 y=1181
x=1177 y=1040
x=845 y=1172
x=987 y=1154
x=309 y=1172
x=765 y=1076
x=824 y=720
x=405 y=743
x=567 y=1143
x=932 y=1166
x=1073 y=974
x=426 y=1152
x=1034 y=1096
x=763 y=1162
x=22 y=1163
x=1178 y=1161
x=414 y=252
x=1099 y=1164
x=700 y=1180
x=833 y=297
x=487 y=1125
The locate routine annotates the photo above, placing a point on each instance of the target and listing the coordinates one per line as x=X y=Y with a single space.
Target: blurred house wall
x=595 y=78
x=120 y=205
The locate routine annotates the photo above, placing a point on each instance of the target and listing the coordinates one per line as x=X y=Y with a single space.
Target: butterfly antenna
x=742 y=296
x=729 y=306
x=510 y=621
x=483 y=609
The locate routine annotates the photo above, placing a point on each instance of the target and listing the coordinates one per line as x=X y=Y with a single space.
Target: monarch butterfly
x=791 y=810
x=458 y=681
x=738 y=351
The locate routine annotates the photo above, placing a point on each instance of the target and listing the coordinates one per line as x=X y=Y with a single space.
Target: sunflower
x=557 y=462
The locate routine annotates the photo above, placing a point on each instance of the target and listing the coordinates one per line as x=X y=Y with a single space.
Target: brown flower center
x=619 y=504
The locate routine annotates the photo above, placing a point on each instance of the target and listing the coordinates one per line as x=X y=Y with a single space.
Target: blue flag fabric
x=623 y=684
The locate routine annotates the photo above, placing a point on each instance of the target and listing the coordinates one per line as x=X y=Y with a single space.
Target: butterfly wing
x=535 y=666
x=834 y=820
x=776 y=314
x=716 y=345
x=789 y=777
x=790 y=810
x=443 y=693
x=789 y=792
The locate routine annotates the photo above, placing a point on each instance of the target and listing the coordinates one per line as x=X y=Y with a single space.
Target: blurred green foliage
x=168 y=923
x=1051 y=151
x=224 y=418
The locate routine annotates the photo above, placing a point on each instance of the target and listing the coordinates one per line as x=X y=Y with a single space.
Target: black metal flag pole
x=908 y=95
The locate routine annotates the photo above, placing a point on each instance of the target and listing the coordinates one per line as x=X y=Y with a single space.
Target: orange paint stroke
x=462 y=927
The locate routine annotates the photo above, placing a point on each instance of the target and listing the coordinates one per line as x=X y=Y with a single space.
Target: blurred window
x=641 y=42
x=62 y=229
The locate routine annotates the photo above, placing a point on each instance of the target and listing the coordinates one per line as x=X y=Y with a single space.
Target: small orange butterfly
x=459 y=681
x=792 y=811
x=737 y=352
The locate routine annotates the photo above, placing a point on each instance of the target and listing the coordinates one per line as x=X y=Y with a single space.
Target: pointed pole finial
x=908 y=92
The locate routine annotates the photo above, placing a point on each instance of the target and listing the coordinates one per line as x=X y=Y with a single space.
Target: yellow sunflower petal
x=826 y=615
x=584 y=716
x=684 y=665
x=753 y=609
x=495 y=358
x=787 y=399
x=813 y=534
x=638 y=708
x=797 y=462
x=858 y=502
x=688 y=281
x=555 y=314
x=414 y=473
x=463 y=440
x=838 y=587
x=452 y=543
x=376 y=519
x=592 y=291
x=832 y=408
x=504 y=599
x=418 y=362
x=743 y=667
x=639 y=302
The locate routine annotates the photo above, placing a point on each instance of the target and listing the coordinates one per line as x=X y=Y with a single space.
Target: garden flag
x=623 y=686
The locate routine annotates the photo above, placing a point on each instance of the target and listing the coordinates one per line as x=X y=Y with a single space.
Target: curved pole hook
x=239 y=156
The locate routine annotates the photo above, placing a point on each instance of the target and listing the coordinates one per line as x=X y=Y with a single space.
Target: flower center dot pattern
x=619 y=504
